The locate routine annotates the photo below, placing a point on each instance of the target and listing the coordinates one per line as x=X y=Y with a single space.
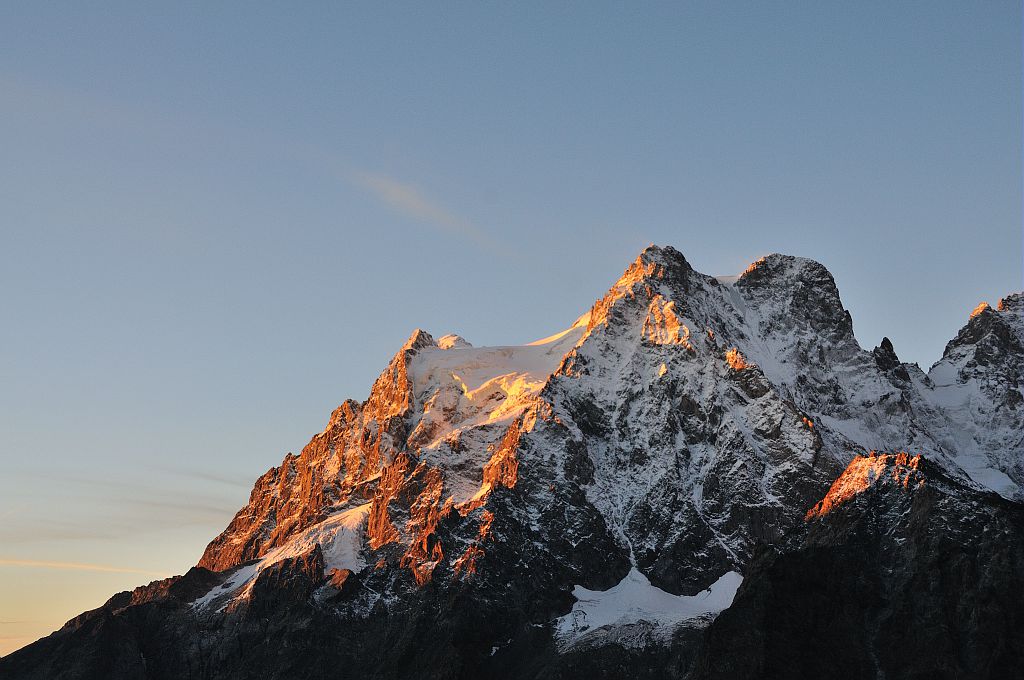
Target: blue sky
x=219 y=221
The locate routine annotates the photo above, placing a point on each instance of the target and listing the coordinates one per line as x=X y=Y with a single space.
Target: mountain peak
x=418 y=340
x=777 y=266
x=453 y=341
x=654 y=268
x=987 y=327
x=653 y=262
x=1012 y=303
x=664 y=255
x=799 y=290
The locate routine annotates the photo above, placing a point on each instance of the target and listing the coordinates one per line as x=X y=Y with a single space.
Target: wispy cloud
x=125 y=520
x=75 y=566
x=243 y=481
x=119 y=507
x=43 y=529
x=411 y=201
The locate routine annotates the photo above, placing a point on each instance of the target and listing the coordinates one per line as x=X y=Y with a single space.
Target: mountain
x=682 y=484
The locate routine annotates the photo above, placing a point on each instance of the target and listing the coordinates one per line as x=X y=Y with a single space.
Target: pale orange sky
x=38 y=596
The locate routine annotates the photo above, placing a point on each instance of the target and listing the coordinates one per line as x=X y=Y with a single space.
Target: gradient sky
x=219 y=221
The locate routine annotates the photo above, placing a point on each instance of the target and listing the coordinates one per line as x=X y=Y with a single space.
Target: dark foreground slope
x=901 y=572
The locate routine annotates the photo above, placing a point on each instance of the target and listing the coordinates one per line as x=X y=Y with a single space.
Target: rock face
x=587 y=505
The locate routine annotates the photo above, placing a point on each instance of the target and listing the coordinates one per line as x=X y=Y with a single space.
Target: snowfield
x=635 y=599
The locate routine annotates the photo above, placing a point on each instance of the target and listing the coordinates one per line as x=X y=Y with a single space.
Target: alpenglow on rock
x=589 y=504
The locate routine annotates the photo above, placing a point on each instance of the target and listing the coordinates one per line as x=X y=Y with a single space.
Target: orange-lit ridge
x=865 y=471
x=982 y=306
x=753 y=265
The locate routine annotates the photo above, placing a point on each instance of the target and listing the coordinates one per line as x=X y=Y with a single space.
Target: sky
x=220 y=220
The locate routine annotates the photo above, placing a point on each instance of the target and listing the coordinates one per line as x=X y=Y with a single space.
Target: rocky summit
x=702 y=477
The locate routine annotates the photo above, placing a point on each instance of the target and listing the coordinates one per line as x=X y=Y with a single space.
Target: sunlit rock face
x=865 y=472
x=656 y=451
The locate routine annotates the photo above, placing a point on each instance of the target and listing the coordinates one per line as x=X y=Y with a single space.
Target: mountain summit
x=684 y=483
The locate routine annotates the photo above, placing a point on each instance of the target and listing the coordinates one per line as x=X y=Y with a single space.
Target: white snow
x=241 y=576
x=480 y=373
x=340 y=538
x=473 y=393
x=635 y=599
x=967 y=417
x=979 y=468
x=452 y=340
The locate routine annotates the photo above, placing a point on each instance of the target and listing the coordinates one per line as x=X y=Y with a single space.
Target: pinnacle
x=789 y=265
x=419 y=339
x=1014 y=302
x=661 y=255
x=659 y=262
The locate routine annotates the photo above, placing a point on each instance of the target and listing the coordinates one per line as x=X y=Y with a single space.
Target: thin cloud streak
x=162 y=516
x=236 y=481
x=410 y=201
x=71 y=107
x=76 y=566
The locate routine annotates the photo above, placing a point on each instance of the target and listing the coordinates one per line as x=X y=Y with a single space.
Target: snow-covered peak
x=665 y=256
x=462 y=387
x=1000 y=328
x=452 y=341
x=977 y=391
x=1012 y=304
x=788 y=266
x=1011 y=309
x=419 y=339
x=653 y=264
x=795 y=290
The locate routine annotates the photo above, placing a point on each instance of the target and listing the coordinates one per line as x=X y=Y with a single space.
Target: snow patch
x=236 y=580
x=340 y=538
x=636 y=599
